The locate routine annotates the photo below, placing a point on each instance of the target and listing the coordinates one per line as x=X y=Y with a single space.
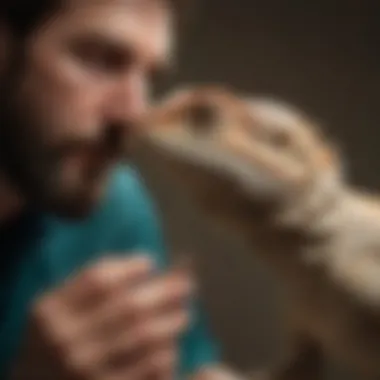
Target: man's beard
x=34 y=166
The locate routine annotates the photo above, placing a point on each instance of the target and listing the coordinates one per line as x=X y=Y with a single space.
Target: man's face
x=70 y=94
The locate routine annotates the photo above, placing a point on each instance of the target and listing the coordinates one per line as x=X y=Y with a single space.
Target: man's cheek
x=64 y=106
x=80 y=113
x=69 y=120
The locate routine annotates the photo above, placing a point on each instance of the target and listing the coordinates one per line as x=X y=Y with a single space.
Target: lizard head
x=228 y=151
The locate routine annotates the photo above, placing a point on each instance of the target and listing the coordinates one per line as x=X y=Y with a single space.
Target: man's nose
x=128 y=99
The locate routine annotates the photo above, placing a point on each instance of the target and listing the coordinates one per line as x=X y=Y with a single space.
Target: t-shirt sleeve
x=197 y=347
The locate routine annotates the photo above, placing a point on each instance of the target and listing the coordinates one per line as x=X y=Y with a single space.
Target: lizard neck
x=302 y=223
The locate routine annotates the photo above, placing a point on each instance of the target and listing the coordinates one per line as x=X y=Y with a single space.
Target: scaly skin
x=264 y=171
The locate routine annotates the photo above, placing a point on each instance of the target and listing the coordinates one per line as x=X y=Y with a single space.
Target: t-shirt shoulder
x=130 y=205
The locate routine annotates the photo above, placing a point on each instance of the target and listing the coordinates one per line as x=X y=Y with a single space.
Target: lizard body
x=264 y=171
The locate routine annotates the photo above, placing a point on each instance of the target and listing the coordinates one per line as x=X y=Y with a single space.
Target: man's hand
x=115 y=321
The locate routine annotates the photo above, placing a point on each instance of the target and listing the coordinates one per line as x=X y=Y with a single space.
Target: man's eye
x=100 y=58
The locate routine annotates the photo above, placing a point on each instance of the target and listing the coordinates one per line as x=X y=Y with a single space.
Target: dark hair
x=22 y=17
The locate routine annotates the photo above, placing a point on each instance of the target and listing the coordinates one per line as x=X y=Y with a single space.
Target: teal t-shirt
x=38 y=252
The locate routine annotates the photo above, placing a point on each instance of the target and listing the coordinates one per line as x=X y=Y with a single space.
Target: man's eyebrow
x=112 y=41
x=126 y=47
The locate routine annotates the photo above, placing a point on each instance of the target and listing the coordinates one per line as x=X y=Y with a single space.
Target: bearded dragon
x=266 y=172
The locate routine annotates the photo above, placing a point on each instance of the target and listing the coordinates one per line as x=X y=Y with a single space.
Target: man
x=81 y=296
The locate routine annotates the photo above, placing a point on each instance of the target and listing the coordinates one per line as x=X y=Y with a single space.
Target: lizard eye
x=201 y=117
x=280 y=139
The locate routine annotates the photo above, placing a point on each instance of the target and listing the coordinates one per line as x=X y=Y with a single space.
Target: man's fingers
x=157 y=330
x=61 y=311
x=136 y=341
x=158 y=364
x=145 y=314
x=162 y=365
x=106 y=276
x=159 y=293
x=151 y=298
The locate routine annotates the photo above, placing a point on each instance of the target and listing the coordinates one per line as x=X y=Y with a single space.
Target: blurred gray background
x=323 y=56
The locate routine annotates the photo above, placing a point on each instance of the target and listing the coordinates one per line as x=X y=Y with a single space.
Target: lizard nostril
x=202 y=116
